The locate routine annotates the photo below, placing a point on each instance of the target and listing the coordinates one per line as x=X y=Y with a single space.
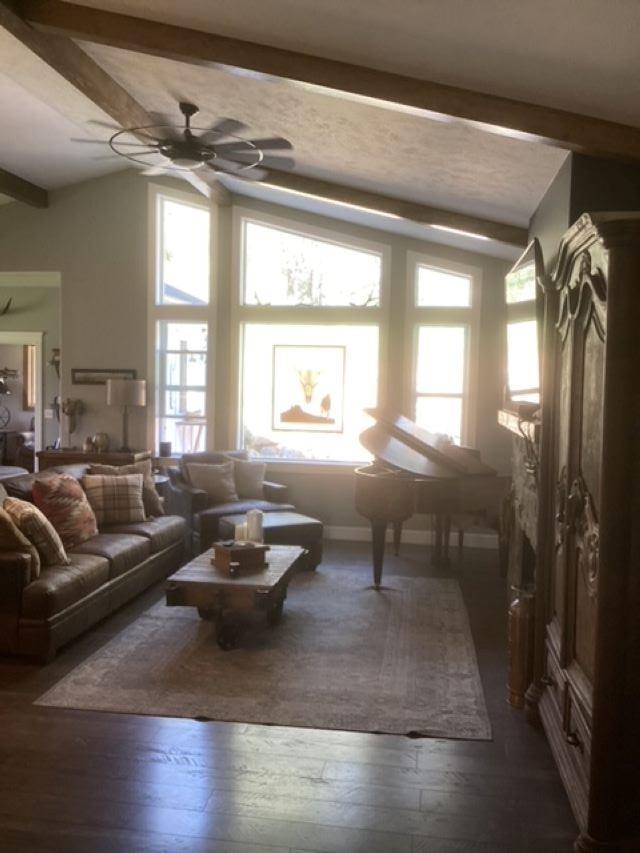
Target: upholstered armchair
x=202 y=514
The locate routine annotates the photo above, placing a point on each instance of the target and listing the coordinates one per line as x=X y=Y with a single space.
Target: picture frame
x=308 y=388
x=99 y=376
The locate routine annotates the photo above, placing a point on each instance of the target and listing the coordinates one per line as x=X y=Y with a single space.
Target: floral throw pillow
x=65 y=504
x=38 y=530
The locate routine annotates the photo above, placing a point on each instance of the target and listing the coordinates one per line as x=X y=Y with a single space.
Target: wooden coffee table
x=218 y=596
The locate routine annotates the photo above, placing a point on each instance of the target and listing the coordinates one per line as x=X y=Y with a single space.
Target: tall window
x=309 y=318
x=523 y=370
x=182 y=327
x=444 y=316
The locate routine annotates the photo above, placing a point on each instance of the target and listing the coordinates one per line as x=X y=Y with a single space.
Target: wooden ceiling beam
x=81 y=71
x=505 y=116
x=21 y=190
x=413 y=211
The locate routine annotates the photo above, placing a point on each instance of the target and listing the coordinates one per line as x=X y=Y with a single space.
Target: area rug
x=400 y=660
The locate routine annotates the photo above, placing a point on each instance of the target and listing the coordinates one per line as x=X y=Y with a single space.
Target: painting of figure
x=308 y=388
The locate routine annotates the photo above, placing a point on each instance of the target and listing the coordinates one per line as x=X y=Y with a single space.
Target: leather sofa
x=201 y=515
x=38 y=616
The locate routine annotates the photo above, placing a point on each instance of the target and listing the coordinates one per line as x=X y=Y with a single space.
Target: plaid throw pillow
x=115 y=500
x=150 y=497
x=38 y=530
x=61 y=499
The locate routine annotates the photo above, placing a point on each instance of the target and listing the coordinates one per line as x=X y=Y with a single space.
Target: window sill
x=297 y=466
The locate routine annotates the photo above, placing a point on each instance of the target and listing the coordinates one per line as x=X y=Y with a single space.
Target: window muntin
x=440 y=370
x=284 y=268
x=439 y=288
x=305 y=388
x=182 y=392
x=520 y=284
x=183 y=253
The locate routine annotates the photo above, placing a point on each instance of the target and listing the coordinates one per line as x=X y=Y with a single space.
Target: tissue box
x=234 y=557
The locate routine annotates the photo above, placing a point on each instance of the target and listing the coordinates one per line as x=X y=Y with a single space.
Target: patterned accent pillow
x=63 y=501
x=39 y=531
x=12 y=539
x=150 y=497
x=115 y=500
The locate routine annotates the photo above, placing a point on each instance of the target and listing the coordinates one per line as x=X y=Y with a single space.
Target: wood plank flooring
x=92 y=782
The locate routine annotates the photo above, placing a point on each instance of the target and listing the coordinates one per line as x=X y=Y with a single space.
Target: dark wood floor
x=92 y=782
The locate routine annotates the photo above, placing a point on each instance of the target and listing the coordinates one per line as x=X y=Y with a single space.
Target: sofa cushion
x=8 y=472
x=122 y=550
x=34 y=524
x=115 y=500
x=60 y=586
x=218 y=481
x=12 y=539
x=150 y=497
x=61 y=499
x=161 y=532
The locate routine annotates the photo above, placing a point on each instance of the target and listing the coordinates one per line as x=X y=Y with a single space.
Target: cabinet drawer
x=554 y=681
x=578 y=737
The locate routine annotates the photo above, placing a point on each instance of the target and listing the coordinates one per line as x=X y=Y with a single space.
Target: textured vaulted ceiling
x=579 y=55
x=443 y=164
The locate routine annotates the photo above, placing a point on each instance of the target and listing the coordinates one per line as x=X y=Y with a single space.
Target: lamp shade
x=126 y=392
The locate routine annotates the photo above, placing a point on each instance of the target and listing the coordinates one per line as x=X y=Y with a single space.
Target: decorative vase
x=88 y=445
x=101 y=442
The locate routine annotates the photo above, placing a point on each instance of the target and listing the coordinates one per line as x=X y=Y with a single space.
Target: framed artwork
x=308 y=388
x=88 y=376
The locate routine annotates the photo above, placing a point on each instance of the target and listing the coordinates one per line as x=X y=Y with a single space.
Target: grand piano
x=416 y=472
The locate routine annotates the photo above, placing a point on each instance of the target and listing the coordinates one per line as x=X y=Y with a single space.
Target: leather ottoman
x=283 y=528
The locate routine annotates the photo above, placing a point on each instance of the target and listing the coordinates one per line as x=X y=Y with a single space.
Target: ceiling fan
x=218 y=148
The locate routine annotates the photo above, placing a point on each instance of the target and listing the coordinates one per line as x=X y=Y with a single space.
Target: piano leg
x=436 y=554
x=397 y=536
x=378 y=535
x=446 y=534
x=442 y=532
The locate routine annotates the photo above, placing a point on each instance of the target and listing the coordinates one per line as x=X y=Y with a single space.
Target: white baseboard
x=410 y=537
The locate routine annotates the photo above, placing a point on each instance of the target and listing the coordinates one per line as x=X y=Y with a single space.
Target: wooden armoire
x=588 y=574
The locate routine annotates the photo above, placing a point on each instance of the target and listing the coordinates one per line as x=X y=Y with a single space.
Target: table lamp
x=125 y=393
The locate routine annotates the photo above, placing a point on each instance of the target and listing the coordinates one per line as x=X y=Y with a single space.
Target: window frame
x=171 y=313
x=468 y=317
x=243 y=314
x=522 y=312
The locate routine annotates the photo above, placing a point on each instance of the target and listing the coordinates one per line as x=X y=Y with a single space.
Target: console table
x=54 y=458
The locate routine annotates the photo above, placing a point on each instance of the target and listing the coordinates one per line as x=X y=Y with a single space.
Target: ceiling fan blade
x=268 y=161
x=225 y=126
x=272 y=143
x=235 y=170
x=155 y=170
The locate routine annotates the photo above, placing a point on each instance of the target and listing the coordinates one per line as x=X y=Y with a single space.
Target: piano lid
x=401 y=442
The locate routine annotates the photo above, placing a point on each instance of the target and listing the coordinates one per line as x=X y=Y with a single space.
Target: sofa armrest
x=184 y=500
x=275 y=492
x=15 y=574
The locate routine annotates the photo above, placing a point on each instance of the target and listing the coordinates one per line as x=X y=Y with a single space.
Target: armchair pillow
x=12 y=539
x=34 y=524
x=115 y=500
x=249 y=478
x=62 y=500
x=150 y=497
x=217 y=481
